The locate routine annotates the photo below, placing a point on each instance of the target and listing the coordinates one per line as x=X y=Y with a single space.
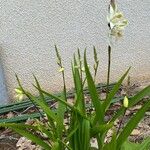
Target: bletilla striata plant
x=83 y=126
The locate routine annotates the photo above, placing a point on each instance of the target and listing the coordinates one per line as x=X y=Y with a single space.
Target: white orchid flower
x=116 y=21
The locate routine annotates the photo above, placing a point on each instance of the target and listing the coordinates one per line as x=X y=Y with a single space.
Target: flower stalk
x=108 y=72
x=116 y=24
x=59 y=62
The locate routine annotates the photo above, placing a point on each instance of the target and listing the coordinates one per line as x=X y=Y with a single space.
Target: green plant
x=83 y=126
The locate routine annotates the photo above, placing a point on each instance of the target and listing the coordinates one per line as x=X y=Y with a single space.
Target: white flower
x=19 y=94
x=116 y=21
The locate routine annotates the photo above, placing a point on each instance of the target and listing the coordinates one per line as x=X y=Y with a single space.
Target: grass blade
x=139 y=96
x=57 y=99
x=85 y=134
x=39 y=89
x=132 y=124
x=43 y=99
x=43 y=106
x=94 y=95
x=64 y=102
x=112 y=144
x=22 y=131
x=80 y=104
x=132 y=101
x=100 y=129
x=112 y=93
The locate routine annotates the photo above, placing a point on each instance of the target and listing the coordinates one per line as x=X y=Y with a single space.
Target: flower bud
x=61 y=69
x=19 y=94
x=83 y=69
x=125 y=102
x=18 y=91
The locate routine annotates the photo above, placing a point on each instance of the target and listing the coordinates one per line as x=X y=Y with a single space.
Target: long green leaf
x=43 y=106
x=127 y=145
x=85 y=135
x=44 y=101
x=112 y=144
x=70 y=134
x=60 y=116
x=132 y=124
x=39 y=89
x=43 y=129
x=112 y=93
x=74 y=140
x=39 y=128
x=57 y=99
x=132 y=101
x=64 y=102
x=80 y=104
x=145 y=145
x=100 y=129
x=50 y=114
x=56 y=146
x=94 y=95
x=19 y=125
x=22 y=131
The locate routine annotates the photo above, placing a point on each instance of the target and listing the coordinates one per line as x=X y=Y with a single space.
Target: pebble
x=135 y=132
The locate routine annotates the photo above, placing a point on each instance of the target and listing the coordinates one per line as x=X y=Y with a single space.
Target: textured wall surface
x=3 y=90
x=30 y=28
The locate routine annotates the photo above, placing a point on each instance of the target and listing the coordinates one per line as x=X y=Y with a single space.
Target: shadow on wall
x=3 y=89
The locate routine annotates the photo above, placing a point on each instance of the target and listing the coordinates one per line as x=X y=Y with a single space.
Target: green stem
x=64 y=82
x=108 y=73
x=99 y=142
x=121 y=122
x=95 y=73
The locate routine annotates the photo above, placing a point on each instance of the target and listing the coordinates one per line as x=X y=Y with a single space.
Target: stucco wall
x=30 y=28
x=3 y=90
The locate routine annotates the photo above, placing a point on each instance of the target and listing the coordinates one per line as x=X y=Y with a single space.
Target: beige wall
x=30 y=28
